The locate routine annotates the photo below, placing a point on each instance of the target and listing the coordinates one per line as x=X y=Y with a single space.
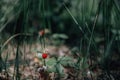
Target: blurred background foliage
x=24 y=15
x=83 y=23
x=90 y=21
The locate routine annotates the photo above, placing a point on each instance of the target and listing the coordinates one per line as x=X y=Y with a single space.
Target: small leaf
x=51 y=61
x=67 y=61
x=60 y=36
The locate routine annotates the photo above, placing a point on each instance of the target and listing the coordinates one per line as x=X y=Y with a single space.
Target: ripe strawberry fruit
x=42 y=32
x=44 y=55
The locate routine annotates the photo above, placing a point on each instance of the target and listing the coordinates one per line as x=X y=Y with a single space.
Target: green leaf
x=51 y=64
x=66 y=61
x=62 y=36
x=51 y=61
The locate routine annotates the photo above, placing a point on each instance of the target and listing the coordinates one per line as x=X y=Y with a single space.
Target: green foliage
x=52 y=63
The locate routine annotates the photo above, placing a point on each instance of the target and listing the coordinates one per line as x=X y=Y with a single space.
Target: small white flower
x=45 y=67
x=88 y=72
x=39 y=55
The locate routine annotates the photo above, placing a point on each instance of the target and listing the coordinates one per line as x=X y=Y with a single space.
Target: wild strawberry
x=42 y=32
x=44 y=55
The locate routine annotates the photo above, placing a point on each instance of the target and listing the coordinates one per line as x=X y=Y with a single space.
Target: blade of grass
x=16 y=67
x=116 y=4
x=73 y=17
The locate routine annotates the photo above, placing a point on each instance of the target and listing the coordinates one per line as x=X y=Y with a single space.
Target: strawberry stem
x=44 y=63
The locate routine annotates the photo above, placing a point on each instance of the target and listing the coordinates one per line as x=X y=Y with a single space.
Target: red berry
x=42 y=32
x=44 y=55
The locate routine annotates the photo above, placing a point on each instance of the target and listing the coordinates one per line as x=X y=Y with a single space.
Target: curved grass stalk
x=5 y=43
x=12 y=37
